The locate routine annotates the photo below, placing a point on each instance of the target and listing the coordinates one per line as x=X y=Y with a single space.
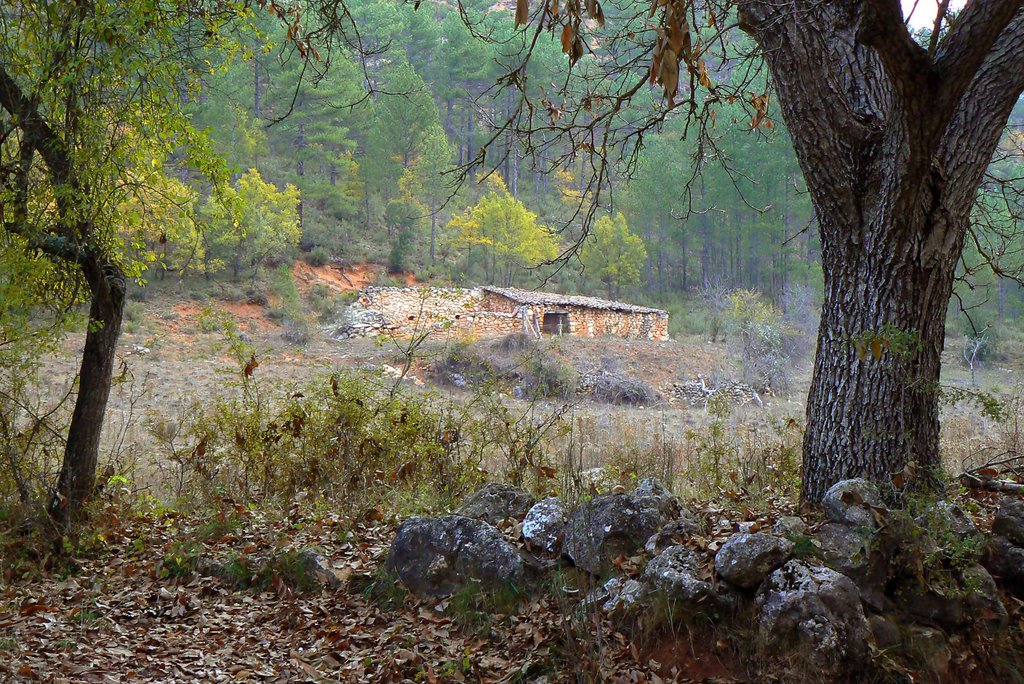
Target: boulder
x=613 y=525
x=437 y=556
x=849 y=552
x=597 y=480
x=675 y=532
x=1005 y=560
x=845 y=550
x=974 y=599
x=982 y=603
x=946 y=521
x=849 y=502
x=317 y=568
x=495 y=502
x=676 y=575
x=653 y=494
x=790 y=527
x=885 y=632
x=930 y=650
x=746 y=559
x=544 y=524
x=1009 y=521
x=816 y=613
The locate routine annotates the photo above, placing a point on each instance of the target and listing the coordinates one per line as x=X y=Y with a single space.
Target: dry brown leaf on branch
x=522 y=12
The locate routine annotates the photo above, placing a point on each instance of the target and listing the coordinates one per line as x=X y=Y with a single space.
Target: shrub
x=745 y=464
x=257 y=295
x=544 y=378
x=401 y=250
x=134 y=311
x=31 y=430
x=462 y=365
x=718 y=303
x=616 y=388
x=516 y=343
x=318 y=256
x=349 y=438
x=180 y=562
x=801 y=306
x=296 y=331
x=288 y=307
x=757 y=328
x=325 y=303
x=385 y=279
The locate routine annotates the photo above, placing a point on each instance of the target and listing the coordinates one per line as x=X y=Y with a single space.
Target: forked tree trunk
x=893 y=142
x=77 y=479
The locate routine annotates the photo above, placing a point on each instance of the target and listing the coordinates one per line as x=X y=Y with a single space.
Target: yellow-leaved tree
x=503 y=234
x=614 y=255
x=252 y=223
x=158 y=222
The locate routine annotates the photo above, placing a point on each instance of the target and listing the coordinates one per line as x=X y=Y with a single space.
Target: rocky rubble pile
x=822 y=595
x=699 y=393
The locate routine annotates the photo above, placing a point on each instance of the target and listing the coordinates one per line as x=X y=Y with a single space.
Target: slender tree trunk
x=545 y=182
x=705 y=238
x=433 y=229
x=77 y=479
x=661 y=274
x=257 y=89
x=683 y=255
x=515 y=169
x=784 y=247
x=1002 y=286
x=536 y=178
x=469 y=131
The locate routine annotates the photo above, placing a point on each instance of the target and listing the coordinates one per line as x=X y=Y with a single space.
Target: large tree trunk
x=77 y=479
x=872 y=406
x=893 y=142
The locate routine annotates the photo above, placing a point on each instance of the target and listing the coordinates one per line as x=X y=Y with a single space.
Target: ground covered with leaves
x=226 y=595
x=157 y=596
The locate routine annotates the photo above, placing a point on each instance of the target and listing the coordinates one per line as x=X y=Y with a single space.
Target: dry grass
x=703 y=452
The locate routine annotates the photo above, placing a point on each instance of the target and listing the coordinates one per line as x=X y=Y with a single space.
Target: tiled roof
x=550 y=299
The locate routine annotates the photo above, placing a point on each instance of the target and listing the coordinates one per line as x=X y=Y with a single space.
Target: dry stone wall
x=473 y=311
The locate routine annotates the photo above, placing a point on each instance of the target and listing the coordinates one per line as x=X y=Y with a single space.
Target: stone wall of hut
x=475 y=312
x=588 y=322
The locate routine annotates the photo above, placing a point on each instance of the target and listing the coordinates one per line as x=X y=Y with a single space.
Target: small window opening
x=556 y=323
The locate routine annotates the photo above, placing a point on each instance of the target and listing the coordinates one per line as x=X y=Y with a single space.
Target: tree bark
x=433 y=230
x=893 y=143
x=77 y=479
x=873 y=402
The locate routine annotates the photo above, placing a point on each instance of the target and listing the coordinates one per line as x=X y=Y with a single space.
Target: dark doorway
x=556 y=323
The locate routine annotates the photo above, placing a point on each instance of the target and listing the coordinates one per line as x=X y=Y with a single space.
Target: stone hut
x=496 y=311
x=557 y=314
